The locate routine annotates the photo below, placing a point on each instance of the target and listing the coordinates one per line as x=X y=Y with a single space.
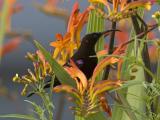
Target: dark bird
x=87 y=48
x=82 y=57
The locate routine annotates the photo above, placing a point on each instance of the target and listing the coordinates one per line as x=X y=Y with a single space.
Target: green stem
x=158 y=66
x=46 y=100
x=3 y=19
x=110 y=50
x=156 y=101
x=127 y=94
x=145 y=54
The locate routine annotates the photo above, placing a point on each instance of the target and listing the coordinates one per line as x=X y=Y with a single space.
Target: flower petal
x=68 y=89
x=75 y=9
x=134 y=4
x=10 y=46
x=105 y=106
x=105 y=85
x=75 y=72
x=101 y=65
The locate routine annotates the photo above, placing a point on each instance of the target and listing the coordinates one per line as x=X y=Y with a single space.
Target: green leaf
x=134 y=93
x=38 y=109
x=158 y=1
x=18 y=116
x=60 y=73
x=124 y=106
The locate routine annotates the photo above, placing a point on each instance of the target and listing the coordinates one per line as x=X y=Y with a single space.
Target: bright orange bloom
x=89 y=93
x=10 y=46
x=76 y=23
x=12 y=9
x=65 y=46
x=120 y=8
x=51 y=8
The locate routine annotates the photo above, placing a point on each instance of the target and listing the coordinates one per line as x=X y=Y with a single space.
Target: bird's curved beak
x=107 y=32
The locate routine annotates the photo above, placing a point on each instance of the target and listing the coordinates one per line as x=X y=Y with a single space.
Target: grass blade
x=18 y=116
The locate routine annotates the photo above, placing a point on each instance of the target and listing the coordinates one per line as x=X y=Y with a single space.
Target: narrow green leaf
x=125 y=107
x=60 y=73
x=117 y=109
x=18 y=116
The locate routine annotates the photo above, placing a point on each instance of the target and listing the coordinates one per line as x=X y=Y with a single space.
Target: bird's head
x=92 y=38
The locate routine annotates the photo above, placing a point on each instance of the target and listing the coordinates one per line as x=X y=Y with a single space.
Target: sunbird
x=82 y=57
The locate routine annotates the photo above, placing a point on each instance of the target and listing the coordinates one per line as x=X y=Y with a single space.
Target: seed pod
x=132 y=77
x=133 y=70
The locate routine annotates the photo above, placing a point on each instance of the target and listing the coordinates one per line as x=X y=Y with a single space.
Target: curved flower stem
x=110 y=50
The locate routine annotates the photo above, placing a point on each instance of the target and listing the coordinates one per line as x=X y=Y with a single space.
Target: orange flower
x=121 y=9
x=88 y=93
x=76 y=23
x=65 y=46
x=51 y=8
x=12 y=9
x=10 y=46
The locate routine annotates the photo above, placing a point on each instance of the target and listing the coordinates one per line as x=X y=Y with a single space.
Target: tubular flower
x=88 y=98
x=12 y=9
x=10 y=46
x=65 y=46
x=50 y=8
x=76 y=23
x=120 y=8
x=41 y=70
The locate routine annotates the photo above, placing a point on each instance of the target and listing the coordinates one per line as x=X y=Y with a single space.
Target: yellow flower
x=33 y=79
x=156 y=15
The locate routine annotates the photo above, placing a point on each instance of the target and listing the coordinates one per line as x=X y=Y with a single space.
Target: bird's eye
x=86 y=41
x=95 y=36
